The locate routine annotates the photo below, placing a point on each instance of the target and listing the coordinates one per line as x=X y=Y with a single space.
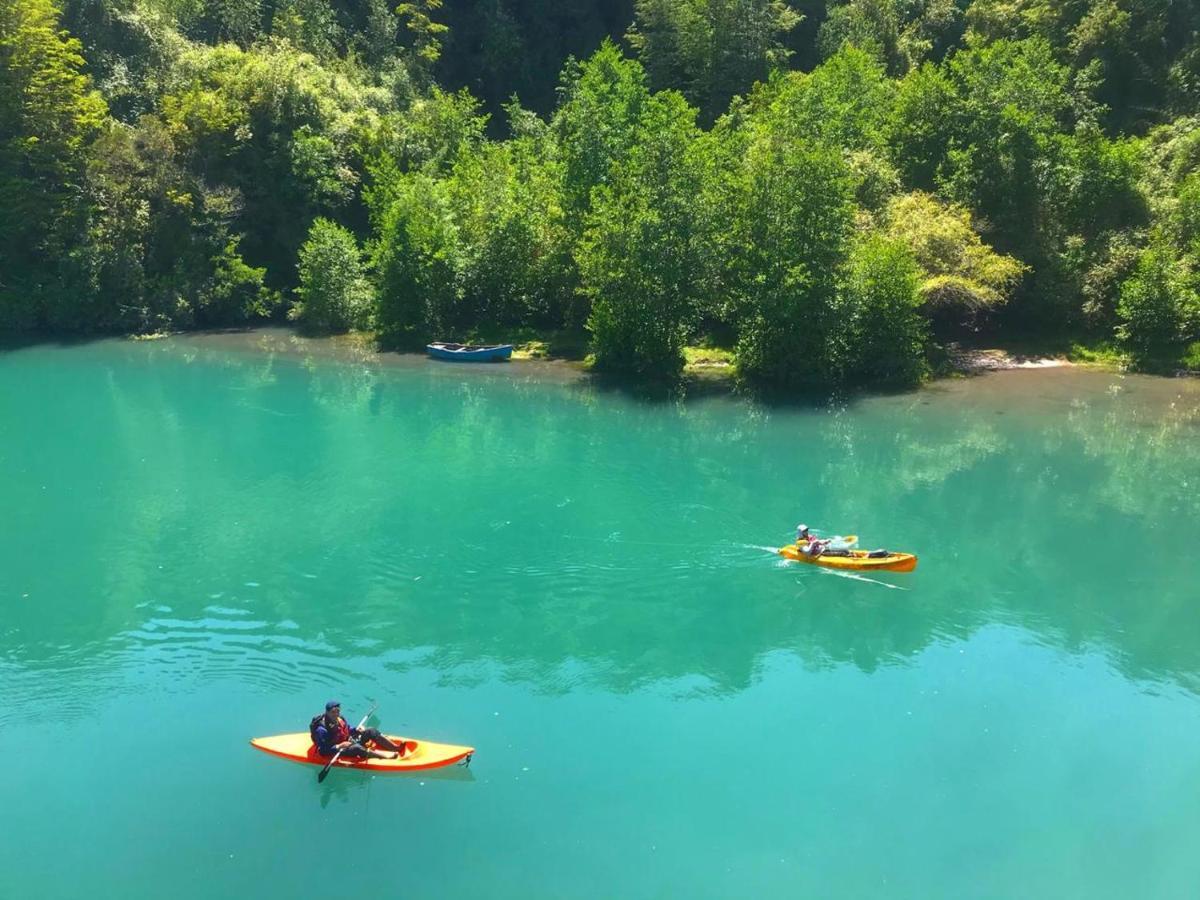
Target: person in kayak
x=811 y=545
x=330 y=733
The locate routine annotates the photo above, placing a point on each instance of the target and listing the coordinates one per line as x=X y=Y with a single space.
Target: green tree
x=899 y=33
x=845 y=101
x=639 y=255
x=958 y=270
x=288 y=135
x=415 y=262
x=881 y=335
x=48 y=114
x=334 y=292
x=432 y=134
x=871 y=25
x=921 y=125
x=514 y=263
x=235 y=293
x=790 y=220
x=309 y=25
x=130 y=50
x=1012 y=99
x=1159 y=308
x=595 y=125
x=240 y=21
x=427 y=34
x=711 y=50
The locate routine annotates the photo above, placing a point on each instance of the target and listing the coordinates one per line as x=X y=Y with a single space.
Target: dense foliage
x=669 y=174
x=334 y=292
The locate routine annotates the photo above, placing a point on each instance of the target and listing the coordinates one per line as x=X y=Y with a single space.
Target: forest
x=827 y=190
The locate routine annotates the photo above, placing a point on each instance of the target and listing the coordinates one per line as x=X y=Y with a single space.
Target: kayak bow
x=418 y=755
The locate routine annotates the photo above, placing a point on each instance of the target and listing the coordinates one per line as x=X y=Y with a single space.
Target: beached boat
x=469 y=352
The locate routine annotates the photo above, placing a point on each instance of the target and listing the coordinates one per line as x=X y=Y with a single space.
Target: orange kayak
x=858 y=560
x=417 y=754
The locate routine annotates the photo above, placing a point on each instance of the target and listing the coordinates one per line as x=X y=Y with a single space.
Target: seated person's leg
x=373 y=734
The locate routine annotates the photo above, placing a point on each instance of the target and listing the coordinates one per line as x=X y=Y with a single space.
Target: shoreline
x=975 y=360
x=706 y=373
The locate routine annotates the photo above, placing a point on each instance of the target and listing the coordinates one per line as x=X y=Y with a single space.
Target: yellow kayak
x=418 y=755
x=858 y=560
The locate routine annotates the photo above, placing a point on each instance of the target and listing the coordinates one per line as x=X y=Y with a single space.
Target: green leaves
x=48 y=114
x=711 y=50
x=414 y=258
x=334 y=291
x=640 y=254
x=791 y=214
x=1159 y=306
x=880 y=336
x=426 y=34
x=957 y=268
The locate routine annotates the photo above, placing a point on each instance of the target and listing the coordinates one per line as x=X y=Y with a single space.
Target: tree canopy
x=825 y=188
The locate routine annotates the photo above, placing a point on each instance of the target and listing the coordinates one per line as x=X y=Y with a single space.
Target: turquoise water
x=206 y=538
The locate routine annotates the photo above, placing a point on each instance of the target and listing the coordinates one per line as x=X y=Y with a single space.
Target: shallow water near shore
x=205 y=538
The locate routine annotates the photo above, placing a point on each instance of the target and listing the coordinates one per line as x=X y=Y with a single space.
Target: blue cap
x=331 y=704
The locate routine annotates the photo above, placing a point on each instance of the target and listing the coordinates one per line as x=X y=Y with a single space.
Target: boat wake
x=772 y=550
x=856 y=577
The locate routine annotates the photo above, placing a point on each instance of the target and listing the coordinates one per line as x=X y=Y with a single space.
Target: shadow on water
x=12 y=343
x=33 y=340
x=346 y=785
x=693 y=387
x=300 y=516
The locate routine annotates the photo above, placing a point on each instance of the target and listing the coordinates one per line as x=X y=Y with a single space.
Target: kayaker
x=809 y=544
x=330 y=733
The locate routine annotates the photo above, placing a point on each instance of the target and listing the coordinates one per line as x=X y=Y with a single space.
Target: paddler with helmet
x=811 y=545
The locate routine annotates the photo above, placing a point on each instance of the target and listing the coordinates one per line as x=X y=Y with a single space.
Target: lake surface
x=206 y=538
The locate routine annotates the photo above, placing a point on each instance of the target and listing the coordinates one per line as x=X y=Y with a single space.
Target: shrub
x=883 y=334
x=335 y=294
x=1157 y=304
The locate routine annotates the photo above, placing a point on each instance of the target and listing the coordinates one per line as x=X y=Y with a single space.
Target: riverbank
x=563 y=357
x=1044 y=353
x=551 y=356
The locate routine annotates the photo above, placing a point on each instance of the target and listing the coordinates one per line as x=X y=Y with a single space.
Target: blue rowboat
x=469 y=352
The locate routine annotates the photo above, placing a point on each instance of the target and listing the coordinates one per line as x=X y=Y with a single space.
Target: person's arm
x=322 y=738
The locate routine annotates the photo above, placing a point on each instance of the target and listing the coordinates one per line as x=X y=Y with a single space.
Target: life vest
x=336 y=735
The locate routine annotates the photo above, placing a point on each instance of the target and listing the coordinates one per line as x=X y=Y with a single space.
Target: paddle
x=329 y=765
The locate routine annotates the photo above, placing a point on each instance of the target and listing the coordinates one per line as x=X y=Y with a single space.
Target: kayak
x=858 y=560
x=417 y=754
x=468 y=352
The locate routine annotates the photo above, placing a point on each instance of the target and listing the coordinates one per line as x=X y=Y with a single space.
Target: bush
x=958 y=269
x=639 y=255
x=790 y=221
x=335 y=295
x=415 y=261
x=235 y=292
x=1157 y=304
x=882 y=335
